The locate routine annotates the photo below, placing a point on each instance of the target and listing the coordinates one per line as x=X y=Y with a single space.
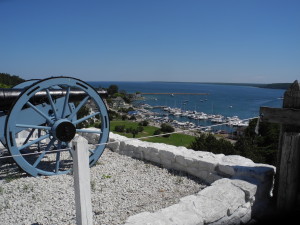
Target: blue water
x=227 y=100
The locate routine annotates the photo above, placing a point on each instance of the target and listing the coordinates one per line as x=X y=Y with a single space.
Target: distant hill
x=7 y=80
x=284 y=86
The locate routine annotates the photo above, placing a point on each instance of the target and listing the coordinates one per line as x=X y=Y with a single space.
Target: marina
x=187 y=119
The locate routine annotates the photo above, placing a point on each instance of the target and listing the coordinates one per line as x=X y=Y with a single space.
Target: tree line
x=260 y=148
x=7 y=80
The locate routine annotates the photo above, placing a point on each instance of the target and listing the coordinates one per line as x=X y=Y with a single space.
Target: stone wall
x=239 y=188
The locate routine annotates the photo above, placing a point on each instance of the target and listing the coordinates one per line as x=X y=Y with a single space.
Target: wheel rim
x=22 y=85
x=46 y=124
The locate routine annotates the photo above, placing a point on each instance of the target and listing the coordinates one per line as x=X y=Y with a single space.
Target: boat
x=177 y=114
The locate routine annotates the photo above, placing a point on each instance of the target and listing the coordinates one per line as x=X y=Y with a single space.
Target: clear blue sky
x=152 y=40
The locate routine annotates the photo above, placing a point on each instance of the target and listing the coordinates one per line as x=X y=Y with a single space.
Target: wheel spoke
x=91 y=151
x=89 y=131
x=43 y=154
x=51 y=103
x=39 y=143
x=58 y=157
x=66 y=103
x=82 y=103
x=70 y=149
x=40 y=112
x=29 y=135
x=33 y=126
x=33 y=142
x=85 y=118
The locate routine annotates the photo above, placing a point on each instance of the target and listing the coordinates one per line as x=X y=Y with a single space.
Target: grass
x=174 y=139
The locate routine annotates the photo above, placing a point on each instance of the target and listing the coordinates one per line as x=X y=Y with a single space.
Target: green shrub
x=157 y=132
x=166 y=128
x=120 y=128
x=144 y=123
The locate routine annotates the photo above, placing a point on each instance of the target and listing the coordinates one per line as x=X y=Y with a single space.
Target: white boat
x=218 y=119
x=177 y=114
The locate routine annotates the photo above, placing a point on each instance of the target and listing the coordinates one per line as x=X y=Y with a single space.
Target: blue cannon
x=39 y=119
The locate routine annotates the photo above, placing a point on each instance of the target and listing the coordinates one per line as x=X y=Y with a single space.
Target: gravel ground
x=121 y=187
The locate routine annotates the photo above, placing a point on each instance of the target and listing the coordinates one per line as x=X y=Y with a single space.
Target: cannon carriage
x=39 y=119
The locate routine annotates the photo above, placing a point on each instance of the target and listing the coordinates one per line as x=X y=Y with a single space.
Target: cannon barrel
x=8 y=96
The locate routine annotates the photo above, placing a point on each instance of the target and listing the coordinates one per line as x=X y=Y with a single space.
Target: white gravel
x=121 y=187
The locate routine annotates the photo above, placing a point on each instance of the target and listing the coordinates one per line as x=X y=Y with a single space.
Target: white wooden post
x=82 y=186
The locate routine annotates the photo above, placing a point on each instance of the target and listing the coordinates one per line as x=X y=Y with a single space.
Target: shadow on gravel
x=175 y=172
x=9 y=170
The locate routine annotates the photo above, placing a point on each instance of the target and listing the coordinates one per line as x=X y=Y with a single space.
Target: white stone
x=248 y=188
x=167 y=154
x=230 y=164
x=179 y=214
x=223 y=196
x=181 y=160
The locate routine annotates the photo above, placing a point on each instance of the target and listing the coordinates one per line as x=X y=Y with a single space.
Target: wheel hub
x=64 y=130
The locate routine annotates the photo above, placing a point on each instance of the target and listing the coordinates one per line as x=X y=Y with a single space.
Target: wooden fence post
x=82 y=186
x=286 y=187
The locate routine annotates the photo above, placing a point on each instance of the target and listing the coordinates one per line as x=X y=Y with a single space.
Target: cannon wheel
x=26 y=83
x=57 y=122
x=23 y=85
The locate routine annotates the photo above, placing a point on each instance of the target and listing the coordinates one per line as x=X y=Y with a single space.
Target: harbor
x=190 y=120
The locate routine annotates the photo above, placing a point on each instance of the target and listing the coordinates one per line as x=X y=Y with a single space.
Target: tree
x=120 y=128
x=7 y=80
x=157 y=132
x=262 y=147
x=134 y=132
x=112 y=89
x=209 y=143
x=83 y=111
x=144 y=123
x=132 y=117
x=166 y=128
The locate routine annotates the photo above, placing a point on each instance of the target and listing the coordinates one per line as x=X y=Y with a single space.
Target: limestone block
x=179 y=167
x=123 y=147
x=248 y=188
x=262 y=172
x=207 y=164
x=242 y=214
x=232 y=220
x=181 y=160
x=202 y=174
x=154 y=157
x=219 y=200
x=92 y=138
x=212 y=177
x=188 y=199
x=231 y=164
x=191 y=161
x=166 y=163
x=113 y=145
x=117 y=137
x=144 y=218
x=193 y=171
x=165 y=154
x=245 y=213
x=179 y=214
x=152 y=150
x=209 y=209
